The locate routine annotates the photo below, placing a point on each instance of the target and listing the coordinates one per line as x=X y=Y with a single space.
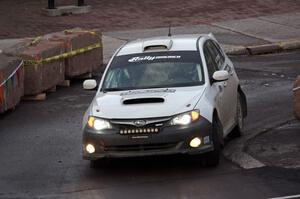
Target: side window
x=210 y=62
x=227 y=67
x=219 y=50
x=217 y=54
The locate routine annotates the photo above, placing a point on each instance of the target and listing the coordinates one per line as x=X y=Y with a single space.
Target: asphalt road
x=268 y=82
x=40 y=148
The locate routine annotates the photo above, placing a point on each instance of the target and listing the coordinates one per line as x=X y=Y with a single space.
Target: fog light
x=90 y=148
x=195 y=142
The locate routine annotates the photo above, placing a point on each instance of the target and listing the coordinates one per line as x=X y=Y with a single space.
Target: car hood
x=139 y=103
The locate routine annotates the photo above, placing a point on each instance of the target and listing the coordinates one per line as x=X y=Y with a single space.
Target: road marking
x=287 y=197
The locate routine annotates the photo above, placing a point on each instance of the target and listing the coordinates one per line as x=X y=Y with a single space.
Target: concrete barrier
x=49 y=59
x=40 y=77
x=11 y=82
x=296 y=98
x=76 y=39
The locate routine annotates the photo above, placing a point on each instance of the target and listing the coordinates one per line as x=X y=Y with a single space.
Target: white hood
x=110 y=105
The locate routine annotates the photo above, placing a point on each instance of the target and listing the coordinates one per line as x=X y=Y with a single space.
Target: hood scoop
x=157 y=44
x=148 y=100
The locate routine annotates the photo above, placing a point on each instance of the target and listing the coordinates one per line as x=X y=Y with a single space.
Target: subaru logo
x=139 y=123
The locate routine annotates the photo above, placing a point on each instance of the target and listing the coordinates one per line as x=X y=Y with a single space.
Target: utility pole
x=51 y=4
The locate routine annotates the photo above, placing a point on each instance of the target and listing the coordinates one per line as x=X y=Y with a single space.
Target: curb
x=236 y=152
x=262 y=49
x=235 y=50
x=290 y=45
x=275 y=47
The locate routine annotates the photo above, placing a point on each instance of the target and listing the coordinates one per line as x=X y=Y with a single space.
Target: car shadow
x=174 y=165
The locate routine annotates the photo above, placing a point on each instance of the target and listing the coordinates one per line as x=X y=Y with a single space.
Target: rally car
x=175 y=94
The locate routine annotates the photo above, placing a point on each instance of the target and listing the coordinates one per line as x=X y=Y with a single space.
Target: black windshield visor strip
x=157 y=57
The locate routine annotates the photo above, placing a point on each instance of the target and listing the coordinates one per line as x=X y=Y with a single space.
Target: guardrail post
x=51 y=4
x=81 y=3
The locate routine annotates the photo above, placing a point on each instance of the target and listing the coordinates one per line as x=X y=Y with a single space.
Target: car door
x=231 y=84
x=216 y=90
x=224 y=99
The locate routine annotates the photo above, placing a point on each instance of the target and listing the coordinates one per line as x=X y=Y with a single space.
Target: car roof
x=185 y=42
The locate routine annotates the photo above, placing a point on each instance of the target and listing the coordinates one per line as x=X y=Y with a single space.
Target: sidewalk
x=24 y=18
x=258 y=35
x=243 y=27
x=239 y=37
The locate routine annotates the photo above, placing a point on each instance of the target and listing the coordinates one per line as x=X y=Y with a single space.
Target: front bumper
x=170 y=140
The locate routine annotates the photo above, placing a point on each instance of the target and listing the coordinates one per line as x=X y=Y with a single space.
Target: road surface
x=40 y=148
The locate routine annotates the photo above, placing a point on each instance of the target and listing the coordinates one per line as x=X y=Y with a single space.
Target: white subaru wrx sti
x=164 y=95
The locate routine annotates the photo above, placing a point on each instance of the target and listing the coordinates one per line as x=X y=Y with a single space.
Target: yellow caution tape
x=35 y=41
x=67 y=54
x=83 y=31
x=63 y=55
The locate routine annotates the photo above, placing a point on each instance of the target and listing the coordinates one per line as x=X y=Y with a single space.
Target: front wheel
x=239 y=128
x=212 y=158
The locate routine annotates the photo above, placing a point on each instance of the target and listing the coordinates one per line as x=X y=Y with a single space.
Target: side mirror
x=89 y=84
x=220 y=75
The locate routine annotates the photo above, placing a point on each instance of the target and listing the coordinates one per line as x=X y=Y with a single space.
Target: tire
x=212 y=159
x=239 y=128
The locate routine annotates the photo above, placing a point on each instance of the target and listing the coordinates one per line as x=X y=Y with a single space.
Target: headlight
x=98 y=124
x=186 y=118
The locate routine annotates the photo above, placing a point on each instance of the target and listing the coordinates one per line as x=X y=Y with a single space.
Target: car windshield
x=154 y=70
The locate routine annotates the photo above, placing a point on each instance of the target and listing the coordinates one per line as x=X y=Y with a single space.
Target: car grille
x=144 y=147
x=128 y=127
